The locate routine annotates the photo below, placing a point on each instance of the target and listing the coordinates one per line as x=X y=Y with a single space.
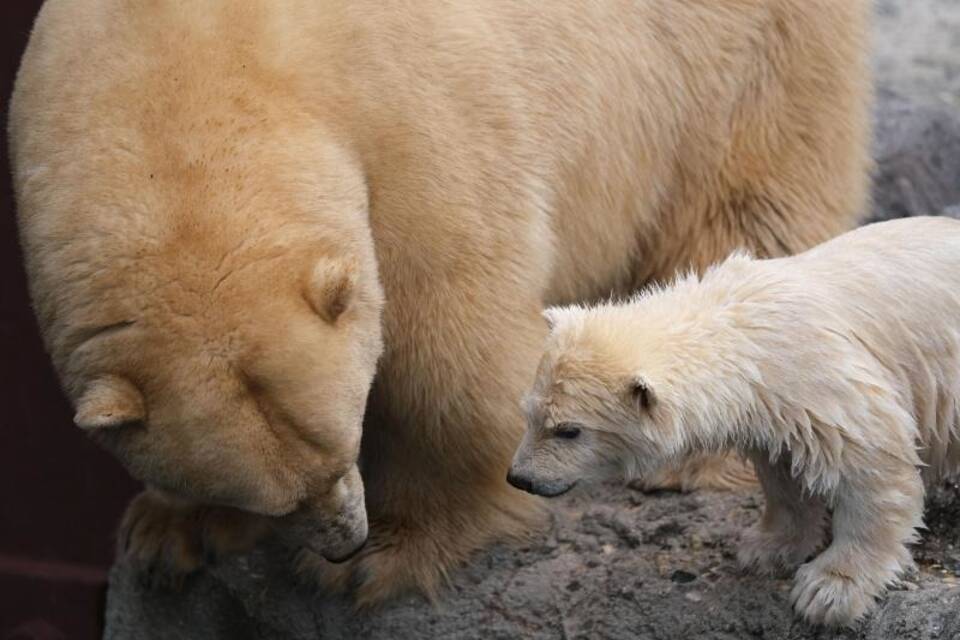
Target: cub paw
x=827 y=595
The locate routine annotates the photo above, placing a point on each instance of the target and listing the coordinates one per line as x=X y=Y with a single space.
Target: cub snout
x=520 y=481
x=538 y=487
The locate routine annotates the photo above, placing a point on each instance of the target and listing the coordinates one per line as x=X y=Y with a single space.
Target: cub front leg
x=166 y=538
x=876 y=515
x=793 y=524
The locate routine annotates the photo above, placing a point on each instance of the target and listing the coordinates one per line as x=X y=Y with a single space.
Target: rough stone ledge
x=917 y=152
x=615 y=563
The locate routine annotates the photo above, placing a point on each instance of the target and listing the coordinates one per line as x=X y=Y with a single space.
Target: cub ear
x=330 y=288
x=641 y=394
x=554 y=315
x=109 y=402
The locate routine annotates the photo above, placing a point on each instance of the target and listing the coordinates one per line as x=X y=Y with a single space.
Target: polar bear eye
x=566 y=430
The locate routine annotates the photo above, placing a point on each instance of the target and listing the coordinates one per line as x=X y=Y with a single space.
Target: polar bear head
x=248 y=391
x=211 y=302
x=201 y=261
x=604 y=404
x=250 y=396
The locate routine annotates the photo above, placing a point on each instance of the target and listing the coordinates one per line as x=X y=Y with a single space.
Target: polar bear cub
x=837 y=371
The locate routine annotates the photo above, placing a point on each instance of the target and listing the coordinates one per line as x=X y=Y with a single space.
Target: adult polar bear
x=231 y=209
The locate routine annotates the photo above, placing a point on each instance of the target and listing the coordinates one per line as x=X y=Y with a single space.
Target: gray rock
x=915 y=49
x=614 y=564
x=952 y=212
x=917 y=151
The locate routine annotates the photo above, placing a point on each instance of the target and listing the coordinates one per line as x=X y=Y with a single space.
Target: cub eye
x=566 y=430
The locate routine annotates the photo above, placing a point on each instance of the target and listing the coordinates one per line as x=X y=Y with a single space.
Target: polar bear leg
x=792 y=526
x=877 y=511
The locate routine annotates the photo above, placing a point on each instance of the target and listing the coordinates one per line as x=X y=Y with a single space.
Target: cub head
x=595 y=412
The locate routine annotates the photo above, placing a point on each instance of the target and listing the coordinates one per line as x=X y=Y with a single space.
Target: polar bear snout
x=337 y=557
x=335 y=524
x=547 y=489
x=536 y=471
x=347 y=550
x=553 y=455
x=336 y=539
x=520 y=481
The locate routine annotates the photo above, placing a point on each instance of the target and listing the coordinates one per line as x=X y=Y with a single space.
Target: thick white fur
x=837 y=371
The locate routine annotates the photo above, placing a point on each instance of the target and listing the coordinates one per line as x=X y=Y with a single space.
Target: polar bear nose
x=340 y=556
x=520 y=482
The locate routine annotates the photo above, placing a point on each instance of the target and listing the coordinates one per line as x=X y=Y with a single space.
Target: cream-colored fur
x=837 y=371
x=216 y=197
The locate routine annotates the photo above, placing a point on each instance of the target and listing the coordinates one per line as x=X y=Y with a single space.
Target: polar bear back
x=888 y=296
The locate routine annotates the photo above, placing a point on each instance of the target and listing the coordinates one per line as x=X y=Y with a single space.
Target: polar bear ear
x=330 y=288
x=554 y=315
x=642 y=394
x=109 y=402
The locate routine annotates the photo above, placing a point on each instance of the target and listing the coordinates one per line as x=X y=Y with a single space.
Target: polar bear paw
x=166 y=541
x=386 y=567
x=828 y=595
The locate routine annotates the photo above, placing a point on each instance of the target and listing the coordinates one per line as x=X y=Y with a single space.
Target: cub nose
x=520 y=482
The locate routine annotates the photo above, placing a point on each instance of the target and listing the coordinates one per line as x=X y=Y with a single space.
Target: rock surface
x=917 y=151
x=617 y=563
x=916 y=45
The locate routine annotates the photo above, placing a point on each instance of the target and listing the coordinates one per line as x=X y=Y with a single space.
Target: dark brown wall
x=60 y=496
